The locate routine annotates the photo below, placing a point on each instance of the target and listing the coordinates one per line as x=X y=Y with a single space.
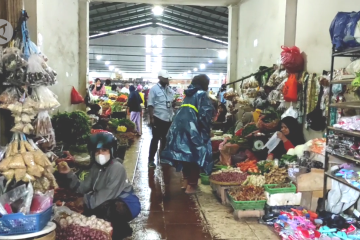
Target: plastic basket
x=246 y=205
x=291 y=189
x=204 y=179
x=18 y=223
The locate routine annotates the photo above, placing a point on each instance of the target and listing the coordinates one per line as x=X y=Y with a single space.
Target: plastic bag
x=4 y=164
x=290 y=112
x=14 y=198
x=272 y=143
x=37 y=73
x=353 y=67
x=17 y=162
x=43 y=125
x=292 y=59
x=28 y=199
x=342 y=30
x=76 y=98
x=10 y=95
x=290 y=89
x=44 y=98
x=41 y=201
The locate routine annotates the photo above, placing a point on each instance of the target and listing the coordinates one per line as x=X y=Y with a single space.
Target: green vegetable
x=249 y=128
x=117 y=107
x=72 y=128
x=231 y=130
x=83 y=175
x=270 y=115
x=114 y=123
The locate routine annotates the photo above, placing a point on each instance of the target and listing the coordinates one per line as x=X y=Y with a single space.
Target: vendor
x=107 y=192
x=291 y=135
x=99 y=89
x=222 y=111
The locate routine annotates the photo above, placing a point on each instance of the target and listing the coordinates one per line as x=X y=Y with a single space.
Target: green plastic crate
x=291 y=189
x=246 y=205
x=204 y=179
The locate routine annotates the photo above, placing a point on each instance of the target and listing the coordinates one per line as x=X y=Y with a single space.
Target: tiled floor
x=168 y=213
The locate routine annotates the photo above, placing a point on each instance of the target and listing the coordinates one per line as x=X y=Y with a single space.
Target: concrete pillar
x=233 y=34
x=83 y=45
x=290 y=23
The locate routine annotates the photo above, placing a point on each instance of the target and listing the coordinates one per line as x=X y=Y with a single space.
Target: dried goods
x=276 y=176
x=254 y=180
x=229 y=177
x=247 y=193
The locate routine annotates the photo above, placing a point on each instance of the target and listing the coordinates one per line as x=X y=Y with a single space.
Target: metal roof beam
x=143 y=55
x=192 y=28
x=126 y=26
x=190 y=13
x=168 y=15
x=204 y=9
x=104 y=21
x=103 y=5
x=118 y=10
x=132 y=46
x=112 y=26
x=214 y=63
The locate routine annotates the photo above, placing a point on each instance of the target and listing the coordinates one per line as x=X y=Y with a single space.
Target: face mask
x=98 y=85
x=102 y=159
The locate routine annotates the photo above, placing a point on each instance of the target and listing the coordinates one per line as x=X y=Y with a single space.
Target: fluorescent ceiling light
x=177 y=29
x=98 y=57
x=189 y=71
x=107 y=62
x=111 y=68
x=158 y=10
x=116 y=69
x=128 y=28
x=215 y=40
x=210 y=61
x=202 y=66
x=195 y=69
x=222 y=54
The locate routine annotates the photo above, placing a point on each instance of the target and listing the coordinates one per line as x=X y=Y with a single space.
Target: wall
x=312 y=31
x=60 y=43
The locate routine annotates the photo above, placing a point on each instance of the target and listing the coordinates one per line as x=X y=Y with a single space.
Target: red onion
x=229 y=177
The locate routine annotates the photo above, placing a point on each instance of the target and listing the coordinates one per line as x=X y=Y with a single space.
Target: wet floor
x=168 y=213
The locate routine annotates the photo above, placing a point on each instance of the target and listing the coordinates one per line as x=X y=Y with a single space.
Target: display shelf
x=344 y=81
x=346 y=105
x=349 y=52
x=347 y=132
x=339 y=179
x=347 y=157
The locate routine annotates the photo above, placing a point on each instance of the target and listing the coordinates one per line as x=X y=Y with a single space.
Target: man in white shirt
x=160 y=101
x=125 y=89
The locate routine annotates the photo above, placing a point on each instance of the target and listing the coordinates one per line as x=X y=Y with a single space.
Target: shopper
x=107 y=192
x=125 y=89
x=139 y=90
x=221 y=94
x=99 y=89
x=108 y=87
x=134 y=104
x=290 y=134
x=160 y=102
x=222 y=111
x=146 y=95
x=188 y=141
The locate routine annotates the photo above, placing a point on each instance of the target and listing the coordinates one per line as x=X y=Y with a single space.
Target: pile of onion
x=87 y=222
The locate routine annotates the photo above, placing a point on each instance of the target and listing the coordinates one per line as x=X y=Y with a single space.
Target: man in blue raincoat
x=188 y=141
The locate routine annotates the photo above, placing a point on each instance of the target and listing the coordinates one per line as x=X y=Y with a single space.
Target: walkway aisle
x=167 y=212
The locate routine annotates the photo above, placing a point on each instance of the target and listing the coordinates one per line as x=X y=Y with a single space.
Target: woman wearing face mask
x=99 y=89
x=107 y=192
x=291 y=134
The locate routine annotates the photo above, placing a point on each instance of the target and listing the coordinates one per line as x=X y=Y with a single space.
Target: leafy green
x=231 y=130
x=72 y=128
x=117 y=107
x=114 y=123
x=249 y=128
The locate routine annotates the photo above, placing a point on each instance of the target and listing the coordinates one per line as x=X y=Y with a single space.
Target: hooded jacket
x=102 y=184
x=188 y=139
x=134 y=100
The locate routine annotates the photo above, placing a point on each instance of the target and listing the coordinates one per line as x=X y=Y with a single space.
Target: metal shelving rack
x=351 y=52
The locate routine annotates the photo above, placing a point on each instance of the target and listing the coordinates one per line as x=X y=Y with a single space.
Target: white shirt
x=158 y=96
x=125 y=90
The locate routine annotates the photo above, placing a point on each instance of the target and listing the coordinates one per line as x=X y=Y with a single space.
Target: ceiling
x=181 y=50
x=223 y=3
x=208 y=21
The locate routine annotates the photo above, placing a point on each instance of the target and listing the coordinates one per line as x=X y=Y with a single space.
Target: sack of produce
x=76 y=97
x=226 y=150
x=292 y=59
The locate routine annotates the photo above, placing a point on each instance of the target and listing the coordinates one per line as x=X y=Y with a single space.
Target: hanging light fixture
x=202 y=66
x=107 y=63
x=158 y=10
x=98 y=57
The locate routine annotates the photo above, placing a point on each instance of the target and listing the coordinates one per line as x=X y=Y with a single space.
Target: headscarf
x=247 y=117
x=295 y=136
x=201 y=82
x=222 y=115
x=134 y=98
x=99 y=88
x=139 y=88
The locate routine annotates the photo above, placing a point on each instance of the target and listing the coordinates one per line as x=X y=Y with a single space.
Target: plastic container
x=204 y=179
x=219 y=167
x=246 y=205
x=18 y=223
x=291 y=189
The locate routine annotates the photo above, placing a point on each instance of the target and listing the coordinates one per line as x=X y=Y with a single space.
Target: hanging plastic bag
x=290 y=89
x=342 y=30
x=76 y=98
x=44 y=98
x=41 y=201
x=272 y=143
x=292 y=59
x=290 y=112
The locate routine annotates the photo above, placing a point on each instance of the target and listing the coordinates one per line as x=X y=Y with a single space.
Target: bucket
x=204 y=179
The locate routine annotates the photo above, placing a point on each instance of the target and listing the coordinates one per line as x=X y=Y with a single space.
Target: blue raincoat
x=188 y=139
